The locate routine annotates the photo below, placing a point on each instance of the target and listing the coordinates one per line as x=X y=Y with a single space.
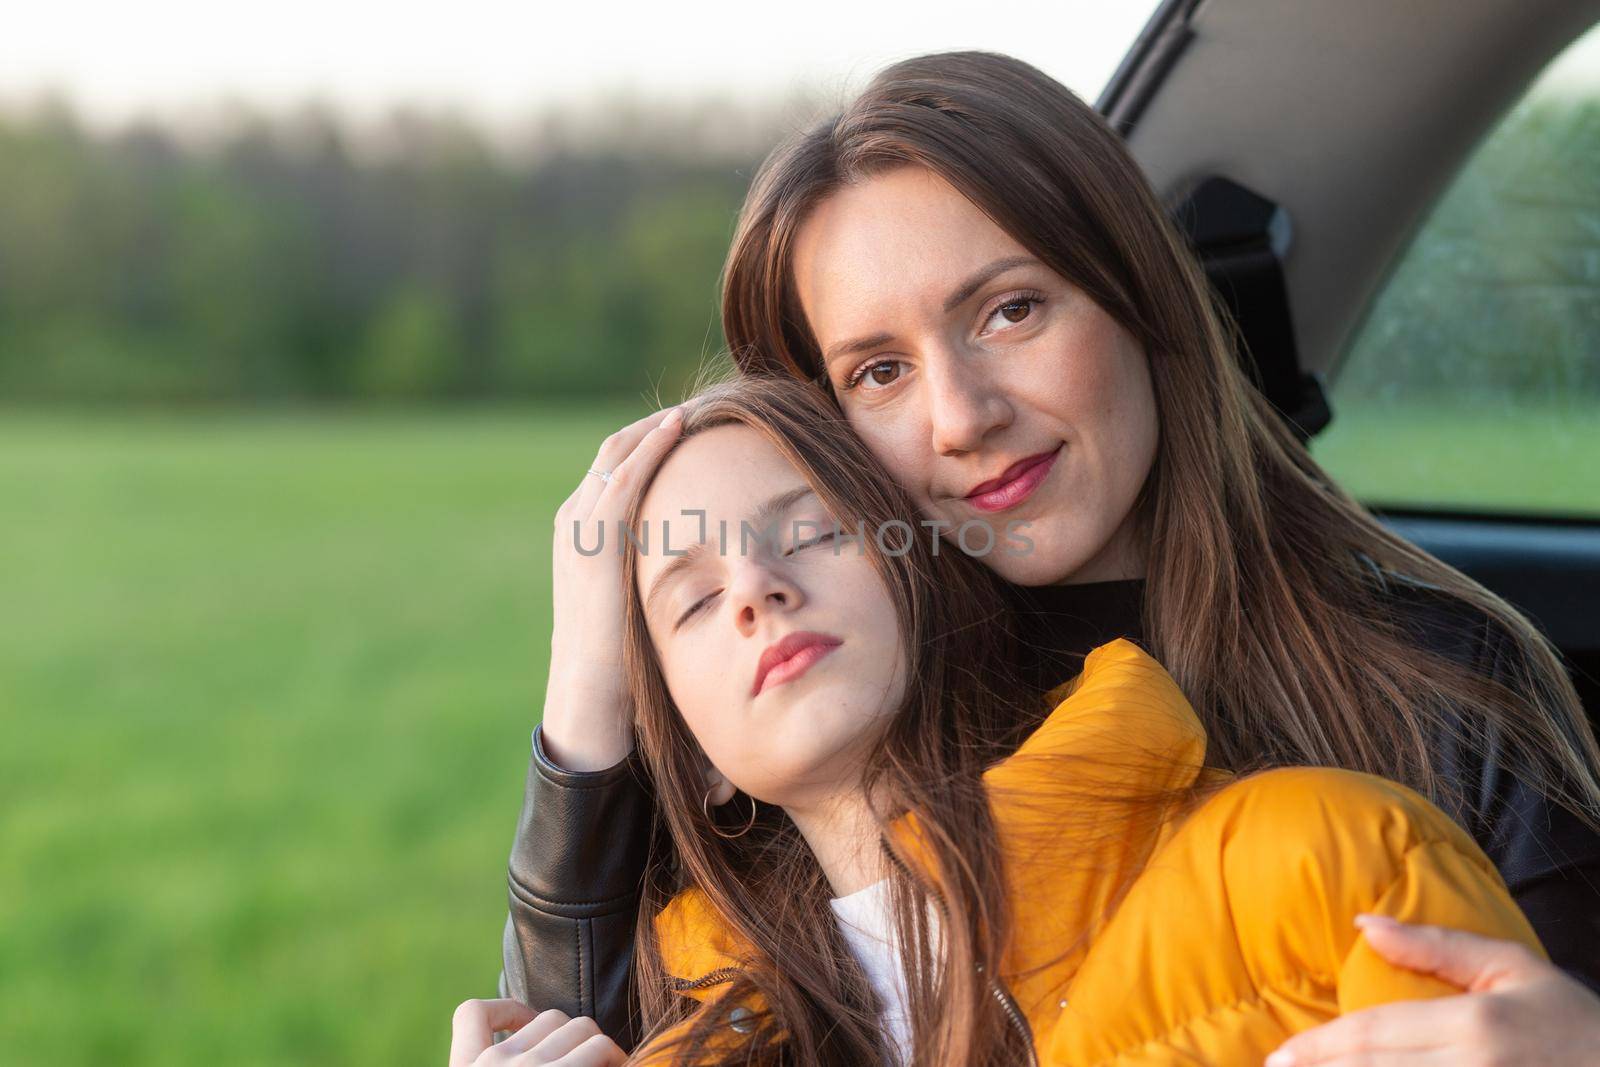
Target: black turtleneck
x=1061 y=624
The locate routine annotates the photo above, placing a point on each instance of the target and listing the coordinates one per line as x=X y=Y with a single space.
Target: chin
x=1062 y=553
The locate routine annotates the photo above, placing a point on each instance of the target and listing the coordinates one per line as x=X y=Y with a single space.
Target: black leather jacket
x=582 y=839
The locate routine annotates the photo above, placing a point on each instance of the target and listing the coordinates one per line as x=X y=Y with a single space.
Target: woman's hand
x=548 y=1038
x=1518 y=1009
x=587 y=726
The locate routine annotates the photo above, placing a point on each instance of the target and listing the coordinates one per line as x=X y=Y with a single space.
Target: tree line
x=285 y=259
x=281 y=261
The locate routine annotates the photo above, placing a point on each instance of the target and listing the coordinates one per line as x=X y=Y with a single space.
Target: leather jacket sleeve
x=573 y=885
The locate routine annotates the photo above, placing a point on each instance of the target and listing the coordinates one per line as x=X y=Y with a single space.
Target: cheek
x=1103 y=394
x=1131 y=412
x=698 y=685
x=880 y=625
x=898 y=437
x=706 y=716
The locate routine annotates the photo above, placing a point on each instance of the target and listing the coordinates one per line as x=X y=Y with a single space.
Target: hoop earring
x=705 y=803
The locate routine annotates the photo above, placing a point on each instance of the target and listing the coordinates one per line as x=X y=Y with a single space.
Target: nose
x=761 y=587
x=965 y=402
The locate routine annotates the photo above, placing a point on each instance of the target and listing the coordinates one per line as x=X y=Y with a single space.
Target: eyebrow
x=763 y=516
x=960 y=295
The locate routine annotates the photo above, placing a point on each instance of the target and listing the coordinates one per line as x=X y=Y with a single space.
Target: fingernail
x=674 y=417
x=1281 y=1058
x=1365 y=920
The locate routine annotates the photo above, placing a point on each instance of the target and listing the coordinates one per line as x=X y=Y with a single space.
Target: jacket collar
x=1119 y=731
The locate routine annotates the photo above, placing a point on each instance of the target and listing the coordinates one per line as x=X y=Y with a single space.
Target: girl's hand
x=1518 y=1009
x=587 y=725
x=548 y=1038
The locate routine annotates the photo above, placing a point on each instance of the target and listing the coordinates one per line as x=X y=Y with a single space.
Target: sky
x=502 y=61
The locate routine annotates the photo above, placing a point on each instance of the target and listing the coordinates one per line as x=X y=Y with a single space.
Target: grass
x=267 y=688
x=1541 y=461
x=267 y=683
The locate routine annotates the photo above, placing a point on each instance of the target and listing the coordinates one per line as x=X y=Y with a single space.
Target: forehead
x=905 y=235
x=725 y=471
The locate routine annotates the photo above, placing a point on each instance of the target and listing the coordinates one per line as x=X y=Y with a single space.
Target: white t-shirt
x=867 y=923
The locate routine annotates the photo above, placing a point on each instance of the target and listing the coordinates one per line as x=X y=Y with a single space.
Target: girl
x=860 y=865
x=970 y=263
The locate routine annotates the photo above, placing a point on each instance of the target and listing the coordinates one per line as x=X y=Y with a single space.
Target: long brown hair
x=1266 y=583
x=963 y=708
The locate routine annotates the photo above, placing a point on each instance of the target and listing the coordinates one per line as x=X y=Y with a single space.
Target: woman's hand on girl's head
x=586 y=721
x=547 y=1038
x=1517 y=1009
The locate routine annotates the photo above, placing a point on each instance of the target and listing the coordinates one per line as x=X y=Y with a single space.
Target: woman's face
x=992 y=388
x=786 y=723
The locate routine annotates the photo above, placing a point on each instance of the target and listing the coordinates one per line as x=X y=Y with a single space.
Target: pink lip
x=1015 y=485
x=790 y=657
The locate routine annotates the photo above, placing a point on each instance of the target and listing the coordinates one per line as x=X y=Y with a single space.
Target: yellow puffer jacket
x=1237 y=927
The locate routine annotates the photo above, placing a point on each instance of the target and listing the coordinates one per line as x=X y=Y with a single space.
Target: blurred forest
x=298 y=258
x=295 y=258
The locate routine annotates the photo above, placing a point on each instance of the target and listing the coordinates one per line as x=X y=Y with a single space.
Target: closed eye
x=694 y=609
x=821 y=539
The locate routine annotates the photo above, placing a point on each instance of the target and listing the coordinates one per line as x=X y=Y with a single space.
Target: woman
x=979 y=273
x=897 y=880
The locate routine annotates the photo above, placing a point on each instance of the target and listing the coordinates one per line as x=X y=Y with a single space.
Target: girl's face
x=783 y=656
x=991 y=387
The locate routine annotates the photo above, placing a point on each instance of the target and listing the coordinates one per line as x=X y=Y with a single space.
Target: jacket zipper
x=716 y=977
x=1009 y=1006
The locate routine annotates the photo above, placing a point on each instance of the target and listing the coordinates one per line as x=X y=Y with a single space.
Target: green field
x=1505 y=458
x=266 y=685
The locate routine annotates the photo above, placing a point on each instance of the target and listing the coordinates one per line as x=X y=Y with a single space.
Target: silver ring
x=604 y=476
